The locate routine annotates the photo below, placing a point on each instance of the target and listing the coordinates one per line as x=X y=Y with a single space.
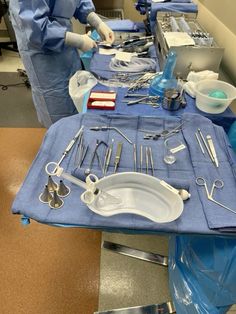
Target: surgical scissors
x=218 y=184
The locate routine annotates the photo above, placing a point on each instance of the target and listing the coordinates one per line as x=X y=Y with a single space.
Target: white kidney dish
x=139 y=194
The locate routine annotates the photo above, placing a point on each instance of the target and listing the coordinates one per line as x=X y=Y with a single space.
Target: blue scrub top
x=40 y=27
x=46 y=21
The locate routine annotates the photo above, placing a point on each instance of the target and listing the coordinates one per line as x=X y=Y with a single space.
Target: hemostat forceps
x=95 y=154
x=150 y=135
x=218 y=184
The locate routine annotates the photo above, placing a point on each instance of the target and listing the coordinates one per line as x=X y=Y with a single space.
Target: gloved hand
x=83 y=42
x=106 y=33
x=103 y=30
x=87 y=43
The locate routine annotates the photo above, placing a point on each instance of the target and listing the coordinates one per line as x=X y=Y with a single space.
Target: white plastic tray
x=142 y=195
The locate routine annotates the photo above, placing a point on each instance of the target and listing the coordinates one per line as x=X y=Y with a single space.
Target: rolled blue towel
x=122 y=25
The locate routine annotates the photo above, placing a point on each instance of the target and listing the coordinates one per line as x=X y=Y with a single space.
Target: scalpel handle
x=212 y=149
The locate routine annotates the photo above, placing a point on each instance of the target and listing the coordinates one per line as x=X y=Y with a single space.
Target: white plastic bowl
x=213 y=105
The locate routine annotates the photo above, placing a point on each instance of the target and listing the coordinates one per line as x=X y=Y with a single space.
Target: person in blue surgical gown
x=48 y=48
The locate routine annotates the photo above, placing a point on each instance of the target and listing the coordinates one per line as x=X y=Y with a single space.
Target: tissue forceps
x=218 y=184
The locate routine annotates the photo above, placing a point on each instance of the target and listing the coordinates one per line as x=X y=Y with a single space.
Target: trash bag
x=80 y=85
x=202 y=273
x=232 y=136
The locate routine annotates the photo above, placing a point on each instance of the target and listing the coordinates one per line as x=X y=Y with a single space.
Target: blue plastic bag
x=87 y=56
x=232 y=135
x=202 y=273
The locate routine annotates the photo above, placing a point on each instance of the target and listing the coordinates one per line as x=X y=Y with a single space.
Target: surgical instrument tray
x=205 y=54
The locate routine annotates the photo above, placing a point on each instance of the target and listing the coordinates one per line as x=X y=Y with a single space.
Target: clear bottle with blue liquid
x=166 y=80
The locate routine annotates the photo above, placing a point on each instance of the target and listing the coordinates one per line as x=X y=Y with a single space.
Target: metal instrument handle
x=222 y=205
x=200 y=181
x=87 y=197
x=218 y=183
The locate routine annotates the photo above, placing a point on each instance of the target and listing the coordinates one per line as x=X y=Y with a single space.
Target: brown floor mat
x=43 y=269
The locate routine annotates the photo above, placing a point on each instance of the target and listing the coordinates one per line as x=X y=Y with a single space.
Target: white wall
x=218 y=18
x=224 y=10
x=131 y=13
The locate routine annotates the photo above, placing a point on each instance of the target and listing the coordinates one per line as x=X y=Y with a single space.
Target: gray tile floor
x=127 y=282
x=124 y=281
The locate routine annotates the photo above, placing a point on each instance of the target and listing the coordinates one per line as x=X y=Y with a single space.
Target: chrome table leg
x=164 y=308
x=135 y=253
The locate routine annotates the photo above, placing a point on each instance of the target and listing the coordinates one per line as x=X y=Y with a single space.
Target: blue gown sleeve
x=83 y=8
x=42 y=30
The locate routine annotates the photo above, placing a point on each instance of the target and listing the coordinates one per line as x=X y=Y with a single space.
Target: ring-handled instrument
x=217 y=184
x=94 y=154
x=90 y=186
x=151 y=135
